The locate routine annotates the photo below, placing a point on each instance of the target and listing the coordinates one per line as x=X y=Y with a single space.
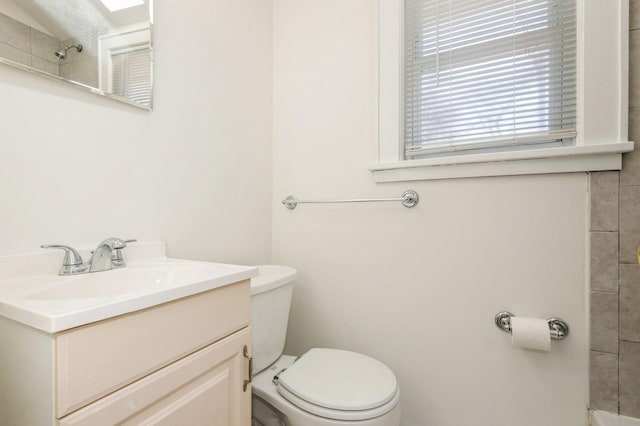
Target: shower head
x=62 y=53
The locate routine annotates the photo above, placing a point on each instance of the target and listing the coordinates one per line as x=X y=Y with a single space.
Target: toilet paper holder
x=558 y=328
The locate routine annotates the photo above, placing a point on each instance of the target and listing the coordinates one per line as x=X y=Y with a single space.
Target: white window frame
x=602 y=91
x=131 y=36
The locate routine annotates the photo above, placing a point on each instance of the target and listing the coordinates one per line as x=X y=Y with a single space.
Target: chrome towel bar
x=558 y=328
x=408 y=199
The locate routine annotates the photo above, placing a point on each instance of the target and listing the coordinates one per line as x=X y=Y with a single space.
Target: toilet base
x=263 y=414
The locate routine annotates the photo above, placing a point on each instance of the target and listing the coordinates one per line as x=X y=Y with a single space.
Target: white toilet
x=323 y=386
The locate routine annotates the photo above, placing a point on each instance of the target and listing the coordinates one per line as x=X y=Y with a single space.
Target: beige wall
x=418 y=288
x=196 y=172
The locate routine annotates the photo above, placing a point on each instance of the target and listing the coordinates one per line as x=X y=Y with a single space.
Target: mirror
x=99 y=45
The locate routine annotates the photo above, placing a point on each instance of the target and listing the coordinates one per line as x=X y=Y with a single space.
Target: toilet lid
x=338 y=380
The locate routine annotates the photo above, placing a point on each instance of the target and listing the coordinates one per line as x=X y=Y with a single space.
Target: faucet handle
x=116 y=255
x=71 y=255
x=72 y=263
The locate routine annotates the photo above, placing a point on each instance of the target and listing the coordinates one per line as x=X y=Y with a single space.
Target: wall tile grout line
x=604 y=292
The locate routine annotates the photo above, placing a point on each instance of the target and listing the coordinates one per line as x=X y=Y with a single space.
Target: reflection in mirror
x=101 y=45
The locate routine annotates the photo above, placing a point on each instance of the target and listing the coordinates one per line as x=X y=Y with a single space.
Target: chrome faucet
x=101 y=259
x=108 y=255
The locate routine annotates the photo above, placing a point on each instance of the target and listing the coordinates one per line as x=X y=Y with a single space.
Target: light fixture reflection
x=115 y=5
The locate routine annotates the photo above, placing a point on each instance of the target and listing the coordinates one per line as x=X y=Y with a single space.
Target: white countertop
x=32 y=293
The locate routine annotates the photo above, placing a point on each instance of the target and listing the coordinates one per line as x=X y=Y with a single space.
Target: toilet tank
x=271 y=293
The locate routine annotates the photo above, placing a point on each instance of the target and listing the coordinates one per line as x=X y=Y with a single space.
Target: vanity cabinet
x=204 y=388
x=179 y=363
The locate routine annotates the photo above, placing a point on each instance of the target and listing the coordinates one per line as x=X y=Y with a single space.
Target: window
x=488 y=73
x=131 y=74
x=125 y=64
x=500 y=87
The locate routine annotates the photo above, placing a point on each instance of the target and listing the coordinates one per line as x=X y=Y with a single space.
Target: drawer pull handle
x=245 y=352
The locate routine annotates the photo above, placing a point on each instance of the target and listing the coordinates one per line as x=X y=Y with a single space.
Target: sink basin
x=121 y=283
x=54 y=303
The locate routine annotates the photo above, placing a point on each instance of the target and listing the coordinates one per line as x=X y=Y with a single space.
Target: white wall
x=196 y=172
x=418 y=288
x=415 y=288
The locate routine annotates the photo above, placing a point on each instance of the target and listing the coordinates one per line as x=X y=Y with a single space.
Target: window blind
x=483 y=74
x=131 y=74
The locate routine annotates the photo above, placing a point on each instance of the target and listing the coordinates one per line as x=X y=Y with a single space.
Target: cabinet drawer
x=100 y=358
x=204 y=388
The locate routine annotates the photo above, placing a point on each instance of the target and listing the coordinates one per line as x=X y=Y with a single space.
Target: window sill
x=537 y=161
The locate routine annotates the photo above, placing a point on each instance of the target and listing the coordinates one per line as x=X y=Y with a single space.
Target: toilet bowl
x=321 y=387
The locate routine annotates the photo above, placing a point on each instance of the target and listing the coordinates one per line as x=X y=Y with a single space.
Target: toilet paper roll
x=530 y=333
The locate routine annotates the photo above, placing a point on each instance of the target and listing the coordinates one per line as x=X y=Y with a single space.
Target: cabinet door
x=98 y=359
x=203 y=389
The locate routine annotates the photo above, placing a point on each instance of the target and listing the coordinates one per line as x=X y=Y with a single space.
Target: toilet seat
x=339 y=385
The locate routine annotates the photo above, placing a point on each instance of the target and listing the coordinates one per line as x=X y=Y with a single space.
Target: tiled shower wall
x=28 y=46
x=615 y=273
x=82 y=67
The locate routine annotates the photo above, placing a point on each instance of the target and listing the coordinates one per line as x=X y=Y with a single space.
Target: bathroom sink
x=55 y=303
x=122 y=283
